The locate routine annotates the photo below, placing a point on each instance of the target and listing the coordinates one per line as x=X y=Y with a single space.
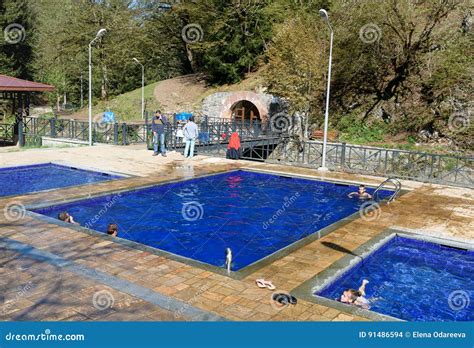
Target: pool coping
x=306 y=290
x=122 y=176
x=237 y=275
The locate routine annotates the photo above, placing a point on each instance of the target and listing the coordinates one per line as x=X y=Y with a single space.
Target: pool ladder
x=394 y=182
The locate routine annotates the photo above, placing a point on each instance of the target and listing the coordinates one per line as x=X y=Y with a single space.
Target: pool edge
x=306 y=290
x=238 y=275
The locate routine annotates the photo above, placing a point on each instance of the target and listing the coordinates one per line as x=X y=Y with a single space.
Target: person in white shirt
x=190 y=132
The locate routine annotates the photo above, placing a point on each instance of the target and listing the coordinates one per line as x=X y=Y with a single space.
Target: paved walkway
x=55 y=273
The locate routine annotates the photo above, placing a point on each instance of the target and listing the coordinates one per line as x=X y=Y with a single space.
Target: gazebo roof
x=13 y=84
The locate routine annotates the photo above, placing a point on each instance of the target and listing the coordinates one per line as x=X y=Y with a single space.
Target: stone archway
x=258 y=100
x=245 y=112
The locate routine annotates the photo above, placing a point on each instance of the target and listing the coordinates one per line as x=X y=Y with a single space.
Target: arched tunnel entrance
x=245 y=112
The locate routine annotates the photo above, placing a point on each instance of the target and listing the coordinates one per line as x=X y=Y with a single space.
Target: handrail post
x=343 y=156
x=116 y=133
x=52 y=123
x=124 y=133
x=21 y=140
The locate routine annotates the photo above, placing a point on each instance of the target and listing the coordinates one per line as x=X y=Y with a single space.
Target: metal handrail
x=395 y=182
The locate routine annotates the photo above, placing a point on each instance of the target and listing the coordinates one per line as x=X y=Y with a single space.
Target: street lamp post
x=325 y=17
x=99 y=35
x=143 y=86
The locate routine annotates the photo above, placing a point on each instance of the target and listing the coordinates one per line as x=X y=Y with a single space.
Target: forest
x=399 y=66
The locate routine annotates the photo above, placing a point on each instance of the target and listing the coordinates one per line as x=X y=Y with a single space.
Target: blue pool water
x=39 y=177
x=254 y=214
x=414 y=280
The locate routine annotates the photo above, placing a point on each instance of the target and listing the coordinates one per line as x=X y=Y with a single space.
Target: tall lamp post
x=143 y=86
x=325 y=17
x=99 y=35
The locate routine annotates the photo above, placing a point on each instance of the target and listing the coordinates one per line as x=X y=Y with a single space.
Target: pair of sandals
x=284 y=299
x=262 y=284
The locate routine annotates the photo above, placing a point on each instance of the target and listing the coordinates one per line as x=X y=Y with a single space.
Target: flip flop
x=284 y=299
x=293 y=300
x=262 y=283
x=269 y=285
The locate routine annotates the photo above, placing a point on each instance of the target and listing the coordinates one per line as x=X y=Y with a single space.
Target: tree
x=18 y=30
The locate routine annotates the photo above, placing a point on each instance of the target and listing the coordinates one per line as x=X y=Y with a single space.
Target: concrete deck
x=49 y=272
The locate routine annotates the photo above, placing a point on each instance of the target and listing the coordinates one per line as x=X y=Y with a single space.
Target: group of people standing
x=190 y=133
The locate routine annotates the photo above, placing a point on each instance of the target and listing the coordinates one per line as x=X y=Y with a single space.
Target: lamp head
x=324 y=15
x=135 y=60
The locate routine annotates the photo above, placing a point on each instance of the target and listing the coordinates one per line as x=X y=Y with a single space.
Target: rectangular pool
x=40 y=177
x=413 y=280
x=254 y=214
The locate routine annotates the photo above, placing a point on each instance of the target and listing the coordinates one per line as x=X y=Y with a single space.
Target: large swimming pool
x=254 y=214
x=414 y=280
x=39 y=177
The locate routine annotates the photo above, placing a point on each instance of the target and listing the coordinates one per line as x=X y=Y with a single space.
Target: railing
x=214 y=136
x=211 y=131
x=419 y=166
x=33 y=129
x=7 y=134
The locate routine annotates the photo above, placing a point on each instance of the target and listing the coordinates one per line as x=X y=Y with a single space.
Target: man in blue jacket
x=158 y=128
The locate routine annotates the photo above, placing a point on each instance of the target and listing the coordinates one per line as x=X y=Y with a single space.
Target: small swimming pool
x=254 y=214
x=40 y=177
x=414 y=280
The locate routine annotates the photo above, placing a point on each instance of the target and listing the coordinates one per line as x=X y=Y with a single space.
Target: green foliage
x=408 y=63
x=16 y=54
x=359 y=132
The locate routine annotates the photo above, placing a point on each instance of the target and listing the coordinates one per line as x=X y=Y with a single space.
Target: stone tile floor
x=49 y=272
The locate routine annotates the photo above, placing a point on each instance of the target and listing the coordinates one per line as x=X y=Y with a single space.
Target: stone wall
x=220 y=104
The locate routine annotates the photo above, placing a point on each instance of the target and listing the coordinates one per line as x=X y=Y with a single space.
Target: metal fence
x=212 y=131
x=33 y=129
x=262 y=143
x=7 y=134
x=418 y=166
x=214 y=136
x=410 y=165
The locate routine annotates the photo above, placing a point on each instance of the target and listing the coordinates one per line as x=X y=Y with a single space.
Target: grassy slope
x=127 y=106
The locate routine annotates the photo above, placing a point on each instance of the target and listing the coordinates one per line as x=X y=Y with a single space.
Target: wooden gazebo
x=19 y=92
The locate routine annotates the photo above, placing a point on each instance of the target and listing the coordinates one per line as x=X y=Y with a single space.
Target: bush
x=356 y=131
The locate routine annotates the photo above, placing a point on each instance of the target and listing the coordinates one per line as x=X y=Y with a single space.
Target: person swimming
x=356 y=297
x=64 y=216
x=361 y=193
x=112 y=230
